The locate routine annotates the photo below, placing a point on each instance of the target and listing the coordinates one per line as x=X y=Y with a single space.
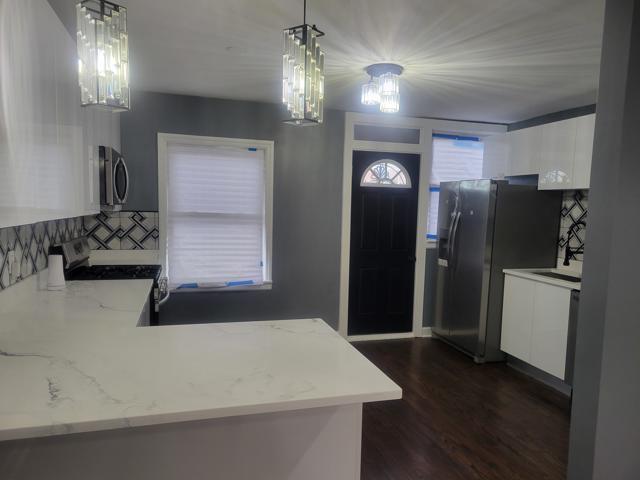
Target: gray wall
x=307 y=189
x=605 y=423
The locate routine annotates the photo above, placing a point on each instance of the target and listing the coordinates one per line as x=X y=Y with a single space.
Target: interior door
x=383 y=243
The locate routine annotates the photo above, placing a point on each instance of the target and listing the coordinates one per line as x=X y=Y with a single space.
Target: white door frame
x=427 y=127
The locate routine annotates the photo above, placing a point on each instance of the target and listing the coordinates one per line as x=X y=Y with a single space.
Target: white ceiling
x=491 y=60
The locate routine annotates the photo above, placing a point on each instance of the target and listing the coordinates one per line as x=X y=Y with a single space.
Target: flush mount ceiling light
x=303 y=73
x=383 y=87
x=103 y=54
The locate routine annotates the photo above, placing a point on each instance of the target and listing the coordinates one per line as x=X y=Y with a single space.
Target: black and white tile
x=574 y=210
x=30 y=243
x=122 y=231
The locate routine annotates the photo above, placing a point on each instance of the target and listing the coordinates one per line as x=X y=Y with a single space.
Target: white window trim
x=267 y=146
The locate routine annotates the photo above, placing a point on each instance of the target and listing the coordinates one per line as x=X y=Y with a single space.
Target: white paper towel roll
x=56 y=273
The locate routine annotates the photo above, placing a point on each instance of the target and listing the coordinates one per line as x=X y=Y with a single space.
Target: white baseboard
x=426 y=332
x=380 y=336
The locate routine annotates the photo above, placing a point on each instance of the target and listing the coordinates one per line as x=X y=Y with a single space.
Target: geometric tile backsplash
x=31 y=246
x=122 y=231
x=105 y=231
x=573 y=213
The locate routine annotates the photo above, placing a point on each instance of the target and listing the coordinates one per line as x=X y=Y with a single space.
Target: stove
x=76 y=254
x=114 y=272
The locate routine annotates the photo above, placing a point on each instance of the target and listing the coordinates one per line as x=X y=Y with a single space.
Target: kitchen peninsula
x=86 y=394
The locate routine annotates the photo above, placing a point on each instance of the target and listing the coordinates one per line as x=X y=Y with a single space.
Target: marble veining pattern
x=73 y=361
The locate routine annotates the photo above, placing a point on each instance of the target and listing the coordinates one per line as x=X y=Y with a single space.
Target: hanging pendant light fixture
x=103 y=54
x=383 y=88
x=371 y=92
x=303 y=73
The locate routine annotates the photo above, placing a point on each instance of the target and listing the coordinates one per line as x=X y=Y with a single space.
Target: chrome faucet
x=570 y=253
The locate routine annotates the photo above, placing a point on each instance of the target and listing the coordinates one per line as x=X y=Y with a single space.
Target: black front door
x=383 y=242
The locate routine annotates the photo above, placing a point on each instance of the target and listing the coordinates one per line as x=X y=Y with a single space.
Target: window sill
x=239 y=288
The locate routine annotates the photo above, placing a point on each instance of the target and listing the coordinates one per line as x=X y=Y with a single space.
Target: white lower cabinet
x=517 y=317
x=535 y=323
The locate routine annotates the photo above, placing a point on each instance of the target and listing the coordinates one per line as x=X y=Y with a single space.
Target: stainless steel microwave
x=114 y=180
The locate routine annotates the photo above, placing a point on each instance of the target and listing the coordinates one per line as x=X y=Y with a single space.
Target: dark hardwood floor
x=458 y=420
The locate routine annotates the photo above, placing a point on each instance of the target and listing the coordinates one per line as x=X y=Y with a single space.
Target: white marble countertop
x=532 y=274
x=73 y=361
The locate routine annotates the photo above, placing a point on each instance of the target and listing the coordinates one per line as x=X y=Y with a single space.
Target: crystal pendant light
x=389 y=93
x=103 y=54
x=383 y=88
x=370 y=92
x=303 y=74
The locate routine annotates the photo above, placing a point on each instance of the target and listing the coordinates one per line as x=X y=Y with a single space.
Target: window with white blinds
x=216 y=215
x=454 y=158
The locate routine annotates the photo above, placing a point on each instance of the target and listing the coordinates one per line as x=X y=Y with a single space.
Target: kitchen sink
x=560 y=276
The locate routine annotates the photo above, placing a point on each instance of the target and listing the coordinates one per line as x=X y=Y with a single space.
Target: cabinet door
x=524 y=151
x=585 y=127
x=556 y=155
x=65 y=160
x=550 y=327
x=517 y=317
x=496 y=156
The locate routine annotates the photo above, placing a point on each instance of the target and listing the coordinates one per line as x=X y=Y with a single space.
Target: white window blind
x=215 y=215
x=454 y=158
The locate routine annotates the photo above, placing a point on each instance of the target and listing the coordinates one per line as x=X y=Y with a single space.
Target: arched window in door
x=386 y=173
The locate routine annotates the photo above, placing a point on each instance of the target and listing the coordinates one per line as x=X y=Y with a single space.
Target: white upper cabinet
x=496 y=156
x=585 y=127
x=524 y=151
x=48 y=168
x=557 y=155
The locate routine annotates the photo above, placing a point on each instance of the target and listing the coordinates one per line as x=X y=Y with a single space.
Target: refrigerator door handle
x=450 y=236
x=454 y=234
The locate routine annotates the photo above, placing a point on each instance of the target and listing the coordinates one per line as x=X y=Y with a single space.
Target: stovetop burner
x=115 y=272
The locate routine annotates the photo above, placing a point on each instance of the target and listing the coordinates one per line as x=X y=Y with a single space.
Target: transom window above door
x=385 y=173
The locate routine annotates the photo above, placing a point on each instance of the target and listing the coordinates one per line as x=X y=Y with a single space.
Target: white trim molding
x=427 y=332
x=164 y=139
x=427 y=127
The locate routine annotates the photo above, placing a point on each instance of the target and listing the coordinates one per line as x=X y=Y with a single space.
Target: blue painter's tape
x=239 y=282
x=431 y=236
x=455 y=137
x=188 y=285
x=252 y=149
x=434 y=189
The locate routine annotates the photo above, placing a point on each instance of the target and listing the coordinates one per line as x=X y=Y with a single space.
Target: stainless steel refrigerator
x=485 y=226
